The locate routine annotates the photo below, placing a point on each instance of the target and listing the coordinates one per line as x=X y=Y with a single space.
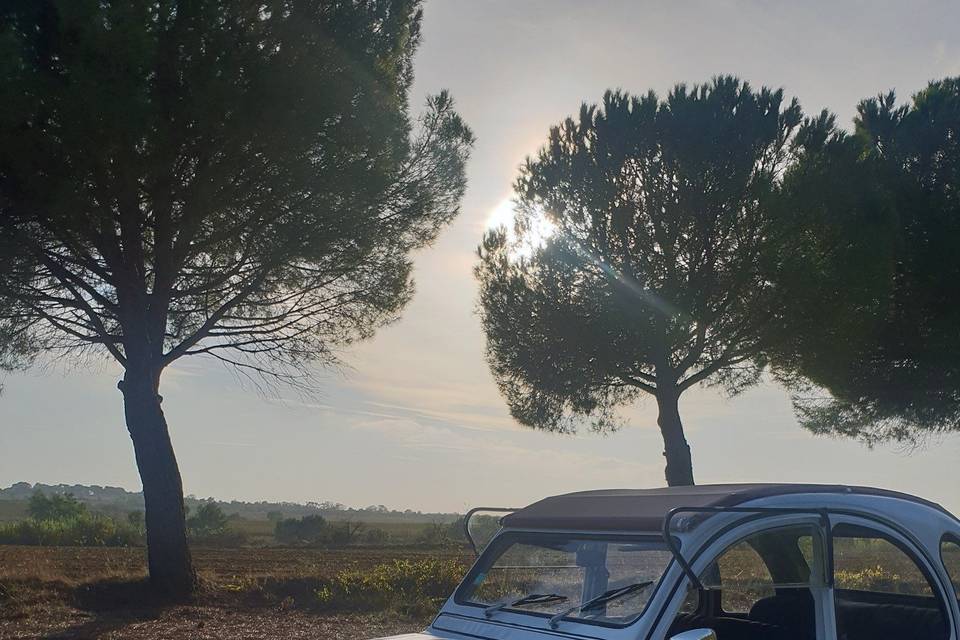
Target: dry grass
x=68 y=592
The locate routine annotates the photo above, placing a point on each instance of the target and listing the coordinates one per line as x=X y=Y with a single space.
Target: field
x=276 y=592
x=71 y=592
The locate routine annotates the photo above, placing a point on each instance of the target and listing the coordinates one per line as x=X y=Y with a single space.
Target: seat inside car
x=788 y=615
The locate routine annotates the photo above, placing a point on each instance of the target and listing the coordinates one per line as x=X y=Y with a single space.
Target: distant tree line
x=119 y=500
x=60 y=519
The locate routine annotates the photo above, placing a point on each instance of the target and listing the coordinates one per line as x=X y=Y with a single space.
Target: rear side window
x=759 y=567
x=745 y=578
x=865 y=560
x=881 y=591
x=950 y=552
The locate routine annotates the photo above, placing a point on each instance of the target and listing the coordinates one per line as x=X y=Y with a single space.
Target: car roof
x=645 y=509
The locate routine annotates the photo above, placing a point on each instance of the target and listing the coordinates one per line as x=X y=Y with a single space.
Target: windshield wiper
x=603 y=598
x=533 y=598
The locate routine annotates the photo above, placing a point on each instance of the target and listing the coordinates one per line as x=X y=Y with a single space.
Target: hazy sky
x=417 y=421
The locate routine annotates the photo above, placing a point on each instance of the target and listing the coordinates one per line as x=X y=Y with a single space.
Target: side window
x=744 y=578
x=762 y=566
x=867 y=561
x=881 y=591
x=950 y=553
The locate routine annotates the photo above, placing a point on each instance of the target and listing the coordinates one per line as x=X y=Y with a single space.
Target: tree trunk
x=171 y=567
x=679 y=470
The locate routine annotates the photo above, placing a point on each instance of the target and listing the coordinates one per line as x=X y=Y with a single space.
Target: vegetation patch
x=61 y=520
x=412 y=588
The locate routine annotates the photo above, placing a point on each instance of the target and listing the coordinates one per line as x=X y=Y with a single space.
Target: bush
x=407 y=587
x=376 y=537
x=83 y=530
x=209 y=521
x=305 y=530
x=55 y=507
x=435 y=534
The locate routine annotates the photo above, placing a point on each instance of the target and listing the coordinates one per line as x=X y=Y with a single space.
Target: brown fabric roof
x=645 y=509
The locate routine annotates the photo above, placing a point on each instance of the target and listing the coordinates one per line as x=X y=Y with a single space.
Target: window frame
x=818 y=537
x=751 y=520
x=954 y=580
x=907 y=543
x=829 y=517
x=507 y=537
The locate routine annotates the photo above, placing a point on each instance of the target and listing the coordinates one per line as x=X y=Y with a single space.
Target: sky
x=415 y=420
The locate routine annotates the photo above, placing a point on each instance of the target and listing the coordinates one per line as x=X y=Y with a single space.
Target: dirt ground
x=95 y=593
x=200 y=622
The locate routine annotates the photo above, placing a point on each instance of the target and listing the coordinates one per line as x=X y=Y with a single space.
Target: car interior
x=871 y=611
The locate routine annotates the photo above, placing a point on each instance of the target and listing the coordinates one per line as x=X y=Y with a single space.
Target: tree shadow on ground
x=113 y=605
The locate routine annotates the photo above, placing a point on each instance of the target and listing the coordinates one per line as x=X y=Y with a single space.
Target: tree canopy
x=636 y=262
x=240 y=180
x=870 y=326
x=243 y=174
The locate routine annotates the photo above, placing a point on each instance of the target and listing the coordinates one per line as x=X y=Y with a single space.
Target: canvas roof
x=645 y=509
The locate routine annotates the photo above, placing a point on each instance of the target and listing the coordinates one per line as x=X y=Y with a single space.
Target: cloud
x=498 y=452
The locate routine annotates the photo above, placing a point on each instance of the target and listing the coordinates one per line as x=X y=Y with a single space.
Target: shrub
x=209 y=521
x=435 y=534
x=414 y=588
x=83 y=530
x=55 y=507
x=305 y=530
x=376 y=537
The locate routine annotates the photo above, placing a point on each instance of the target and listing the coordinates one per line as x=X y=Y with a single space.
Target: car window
x=950 y=552
x=881 y=590
x=760 y=566
x=744 y=578
x=865 y=560
x=547 y=574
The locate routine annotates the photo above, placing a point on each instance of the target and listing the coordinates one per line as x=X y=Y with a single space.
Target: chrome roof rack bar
x=473 y=512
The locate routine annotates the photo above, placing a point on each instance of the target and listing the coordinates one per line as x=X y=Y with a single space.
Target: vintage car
x=726 y=562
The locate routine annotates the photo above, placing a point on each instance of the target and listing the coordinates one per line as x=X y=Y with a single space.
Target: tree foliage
x=235 y=179
x=650 y=277
x=305 y=530
x=54 y=507
x=874 y=273
x=208 y=521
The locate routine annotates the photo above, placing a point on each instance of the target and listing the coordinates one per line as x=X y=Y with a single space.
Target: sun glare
x=522 y=247
x=500 y=216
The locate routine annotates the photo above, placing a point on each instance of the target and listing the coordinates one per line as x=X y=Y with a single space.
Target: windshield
x=597 y=579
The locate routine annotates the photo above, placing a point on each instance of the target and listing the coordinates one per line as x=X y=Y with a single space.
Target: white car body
x=920 y=527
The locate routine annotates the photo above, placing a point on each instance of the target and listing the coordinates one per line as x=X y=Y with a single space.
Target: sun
x=535 y=237
x=502 y=215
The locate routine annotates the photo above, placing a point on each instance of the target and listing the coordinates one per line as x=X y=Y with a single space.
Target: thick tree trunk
x=171 y=567
x=679 y=470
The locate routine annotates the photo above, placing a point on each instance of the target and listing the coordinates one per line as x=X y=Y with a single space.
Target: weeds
x=411 y=588
x=82 y=530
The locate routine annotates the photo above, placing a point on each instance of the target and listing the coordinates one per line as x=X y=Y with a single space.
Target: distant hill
x=118 y=500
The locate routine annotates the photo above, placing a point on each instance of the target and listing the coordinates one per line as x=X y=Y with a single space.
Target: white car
x=725 y=562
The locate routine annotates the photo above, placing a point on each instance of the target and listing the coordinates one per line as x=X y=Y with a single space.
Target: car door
x=886 y=586
x=765 y=579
